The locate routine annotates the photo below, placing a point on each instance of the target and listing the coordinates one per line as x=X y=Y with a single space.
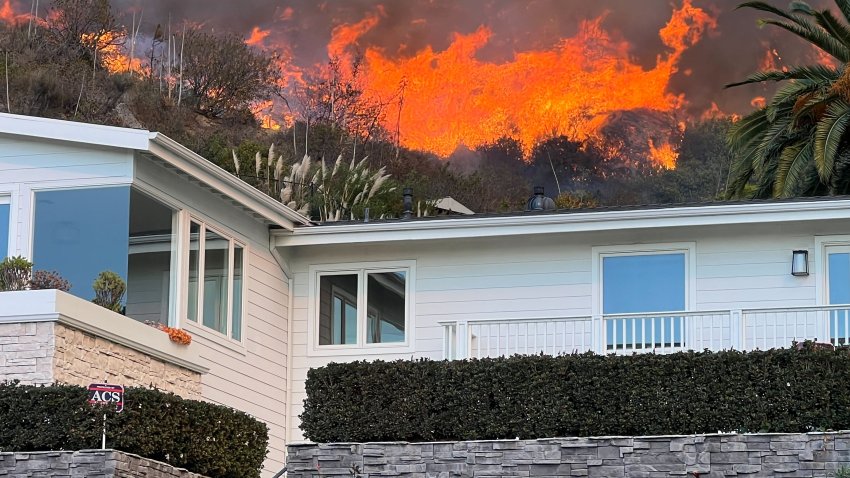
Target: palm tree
x=798 y=143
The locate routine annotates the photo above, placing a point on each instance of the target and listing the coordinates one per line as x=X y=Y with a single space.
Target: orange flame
x=758 y=102
x=257 y=36
x=664 y=156
x=453 y=98
x=112 y=55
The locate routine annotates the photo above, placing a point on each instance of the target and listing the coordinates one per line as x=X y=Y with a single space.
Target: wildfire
x=664 y=156
x=110 y=49
x=452 y=98
x=263 y=112
x=257 y=36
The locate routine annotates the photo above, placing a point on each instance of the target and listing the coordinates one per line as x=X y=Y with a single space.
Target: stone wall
x=82 y=358
x=26 y=352
x=87 y=463
x=757 y=455
x=46 y=352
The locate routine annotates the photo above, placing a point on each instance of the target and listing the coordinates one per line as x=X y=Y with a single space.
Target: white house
x=281 y=294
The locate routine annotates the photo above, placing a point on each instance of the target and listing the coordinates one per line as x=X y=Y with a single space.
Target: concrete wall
x=87 y=463
x=765 y=455
x=47 y=352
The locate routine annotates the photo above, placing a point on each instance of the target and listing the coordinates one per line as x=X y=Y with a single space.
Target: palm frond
x=816 y=35
x=844 y=6
x=792 y=162
x=828 y=136
x=817 y=73
x=766 y=7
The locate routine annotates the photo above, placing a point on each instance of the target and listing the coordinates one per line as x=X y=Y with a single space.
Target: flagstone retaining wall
x=87 y=463
x=722 y=455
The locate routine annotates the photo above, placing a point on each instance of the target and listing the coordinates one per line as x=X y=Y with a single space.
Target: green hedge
x=784 y=390
x=209 y=439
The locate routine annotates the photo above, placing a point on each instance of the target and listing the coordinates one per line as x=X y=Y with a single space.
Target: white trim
x=820 y=264
x=224 y=339
x=360 y=269
x=600 y=252
x=477 y=227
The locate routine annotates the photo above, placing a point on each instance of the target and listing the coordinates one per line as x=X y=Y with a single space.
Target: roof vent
x=539 y=202
x=408 y=203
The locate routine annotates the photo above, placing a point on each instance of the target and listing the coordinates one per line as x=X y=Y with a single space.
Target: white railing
x=666 y=332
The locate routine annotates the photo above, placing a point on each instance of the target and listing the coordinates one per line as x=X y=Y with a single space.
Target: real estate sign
x=107 y=394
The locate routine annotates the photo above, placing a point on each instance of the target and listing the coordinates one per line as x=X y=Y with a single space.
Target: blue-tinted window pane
x=643 y=283
x=639 y=284
x=82 y=232
x=839 y=293
x=4 y=230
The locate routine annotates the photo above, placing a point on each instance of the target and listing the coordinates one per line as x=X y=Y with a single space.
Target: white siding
x=27 y=164
x=250 y=377
x=551 y=276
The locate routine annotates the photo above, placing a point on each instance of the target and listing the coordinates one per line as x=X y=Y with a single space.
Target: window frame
x=199 y=327
x=361 y=269
x=601 y=252
x=820 y=271
x=7 y=197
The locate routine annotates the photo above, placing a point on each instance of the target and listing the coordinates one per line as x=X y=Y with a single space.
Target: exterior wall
x=85 y=463
x=249 y=375
x=26 y=352
x=767 y=455
x=81 y=359
x=47 y=352
x=551 y=275
x=27 y=165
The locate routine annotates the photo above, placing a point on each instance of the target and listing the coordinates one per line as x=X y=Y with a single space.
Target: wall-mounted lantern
x=800 y=263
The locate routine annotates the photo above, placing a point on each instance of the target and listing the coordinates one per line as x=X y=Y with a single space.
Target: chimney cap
x=539 y=202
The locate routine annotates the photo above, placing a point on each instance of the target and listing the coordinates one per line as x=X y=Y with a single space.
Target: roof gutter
x=566 y=222
x=187 y=160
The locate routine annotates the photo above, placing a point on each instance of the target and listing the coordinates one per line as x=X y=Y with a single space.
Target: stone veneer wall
x=46 y=352
x=757 y=455
x=87 y=463
x=81 y=358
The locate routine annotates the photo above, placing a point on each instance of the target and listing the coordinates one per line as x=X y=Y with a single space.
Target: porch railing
x=666 y=332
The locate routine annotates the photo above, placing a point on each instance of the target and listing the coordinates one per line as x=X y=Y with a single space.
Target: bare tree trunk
x=80 y=98
x=180 y=87
x=552 y=165
x=8 y=103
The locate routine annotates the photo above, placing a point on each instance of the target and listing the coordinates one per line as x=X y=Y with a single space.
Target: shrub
x=205 y=438
x=109 y=290
x=49 y=280
x=783 y=390
x=15 y=273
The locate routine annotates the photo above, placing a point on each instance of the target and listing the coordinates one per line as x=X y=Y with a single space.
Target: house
x=268 y=294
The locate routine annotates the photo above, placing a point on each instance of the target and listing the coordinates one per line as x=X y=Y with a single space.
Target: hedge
x=783 y=390
x=205 y=438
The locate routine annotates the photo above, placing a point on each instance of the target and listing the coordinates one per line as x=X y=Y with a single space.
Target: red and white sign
x=107 y=394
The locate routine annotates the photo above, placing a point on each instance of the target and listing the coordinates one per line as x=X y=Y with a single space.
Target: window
x=838 y=289
x=215 y=285
x=643 y=283
x=363 y=307
x=151 y=258
x=81 y=233
x=5 y=221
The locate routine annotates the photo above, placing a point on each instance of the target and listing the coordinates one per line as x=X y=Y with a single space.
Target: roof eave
x=190 y=162
x=568 y=222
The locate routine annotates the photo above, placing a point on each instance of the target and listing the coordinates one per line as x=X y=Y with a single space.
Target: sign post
x=106 y=394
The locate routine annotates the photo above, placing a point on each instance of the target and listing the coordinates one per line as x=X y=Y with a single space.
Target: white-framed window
x=643 y=279
x=362 y=306
x=5 y=225
x=215 y=285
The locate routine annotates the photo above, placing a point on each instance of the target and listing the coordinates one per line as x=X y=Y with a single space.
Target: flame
x=664 y=156
x=758 y=102
x=8 y=15
x=257 y=36
x=263 y=112
x=112 y=55
x=452 y=98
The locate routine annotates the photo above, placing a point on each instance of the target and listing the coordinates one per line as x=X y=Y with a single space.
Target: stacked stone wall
x=87 y=463
x=47 y=352
x=754 y=456
x=82 y=358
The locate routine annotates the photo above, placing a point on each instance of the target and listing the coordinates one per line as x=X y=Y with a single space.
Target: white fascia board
x=211 y=174
x=567 y=222
x=73 y=132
